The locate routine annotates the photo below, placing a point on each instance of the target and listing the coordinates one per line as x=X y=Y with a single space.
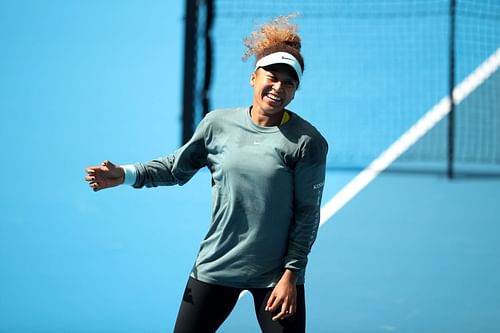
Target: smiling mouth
x=274 y=98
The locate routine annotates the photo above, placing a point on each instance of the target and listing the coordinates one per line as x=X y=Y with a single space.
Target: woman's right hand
x=104 y=176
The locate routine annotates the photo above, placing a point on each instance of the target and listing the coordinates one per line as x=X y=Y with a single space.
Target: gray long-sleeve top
x=267 y=184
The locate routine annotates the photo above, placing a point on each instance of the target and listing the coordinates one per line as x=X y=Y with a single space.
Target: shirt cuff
x=130 y=174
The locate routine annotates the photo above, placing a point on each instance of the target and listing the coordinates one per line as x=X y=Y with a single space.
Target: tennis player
x=268 y=168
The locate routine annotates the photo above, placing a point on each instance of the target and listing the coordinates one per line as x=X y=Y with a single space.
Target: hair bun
x=296 y=44
x=279 y=33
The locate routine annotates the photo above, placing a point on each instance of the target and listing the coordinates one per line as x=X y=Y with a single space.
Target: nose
x=277 y=85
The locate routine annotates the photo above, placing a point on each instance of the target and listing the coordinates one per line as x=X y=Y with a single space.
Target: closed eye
x=272 y=78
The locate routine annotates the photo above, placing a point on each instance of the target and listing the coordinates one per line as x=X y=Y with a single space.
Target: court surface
x=410 y=253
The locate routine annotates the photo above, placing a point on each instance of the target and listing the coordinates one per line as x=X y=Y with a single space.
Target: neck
x=264 y=119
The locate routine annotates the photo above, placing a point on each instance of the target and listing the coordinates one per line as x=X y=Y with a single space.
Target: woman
x=268 y=169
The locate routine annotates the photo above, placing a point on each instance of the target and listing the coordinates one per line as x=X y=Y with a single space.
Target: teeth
x=274 y=98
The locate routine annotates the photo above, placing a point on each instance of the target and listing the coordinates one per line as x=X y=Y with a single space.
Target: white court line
x=412 y=135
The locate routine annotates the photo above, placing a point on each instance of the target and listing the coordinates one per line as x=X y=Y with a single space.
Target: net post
x=451 y=86
x=208 y=56
x=188 y=98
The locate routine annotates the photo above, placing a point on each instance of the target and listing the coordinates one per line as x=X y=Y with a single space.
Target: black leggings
x=205 y=306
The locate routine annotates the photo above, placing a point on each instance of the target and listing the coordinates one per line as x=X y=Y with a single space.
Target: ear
x=252 y=79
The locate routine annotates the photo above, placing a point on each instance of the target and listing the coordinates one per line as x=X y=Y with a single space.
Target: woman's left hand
x=283 y=298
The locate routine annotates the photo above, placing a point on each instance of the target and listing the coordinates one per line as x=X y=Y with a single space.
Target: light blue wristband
x=130 y=174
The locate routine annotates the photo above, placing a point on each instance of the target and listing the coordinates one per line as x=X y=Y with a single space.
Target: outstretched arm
x=104 y=176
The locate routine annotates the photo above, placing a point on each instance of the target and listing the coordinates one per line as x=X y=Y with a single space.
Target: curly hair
x=278 y=35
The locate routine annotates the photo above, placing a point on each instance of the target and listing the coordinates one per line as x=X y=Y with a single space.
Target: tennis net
x=373 y=69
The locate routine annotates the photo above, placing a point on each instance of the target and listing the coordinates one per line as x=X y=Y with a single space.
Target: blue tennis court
x=81 y=82
x=422 y=258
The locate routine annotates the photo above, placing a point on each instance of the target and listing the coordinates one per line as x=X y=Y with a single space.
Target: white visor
x=280 y=58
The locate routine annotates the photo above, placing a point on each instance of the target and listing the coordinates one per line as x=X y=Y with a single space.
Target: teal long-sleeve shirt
x=267 y=184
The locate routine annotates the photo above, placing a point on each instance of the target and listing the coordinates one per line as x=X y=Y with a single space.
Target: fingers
x=91 y=170
x=104 y=176
x=285 y=305
x=284 y=313
x=90 y=178
x=271 y=302
x=105 y=166
x=95 y=186
x=287 y=309
x=95 y=175
x=92 y=182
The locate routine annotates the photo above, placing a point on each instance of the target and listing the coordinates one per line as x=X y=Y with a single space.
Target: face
x=274 y=88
